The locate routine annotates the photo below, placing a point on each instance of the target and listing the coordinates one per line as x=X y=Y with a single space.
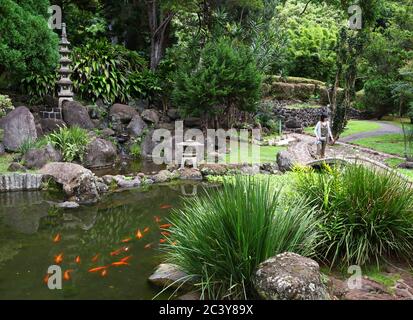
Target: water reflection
x=92 y=233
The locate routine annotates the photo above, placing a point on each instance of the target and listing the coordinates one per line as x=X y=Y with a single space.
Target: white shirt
x=317 y=130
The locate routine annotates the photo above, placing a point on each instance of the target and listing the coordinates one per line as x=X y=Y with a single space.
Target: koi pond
x=121 y=234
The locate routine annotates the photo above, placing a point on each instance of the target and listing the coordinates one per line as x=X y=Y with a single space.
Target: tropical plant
x=366 y=214
x=38 y=86
x=220 y=238
x=71 y=142
x=102 y=71
x=5 y=105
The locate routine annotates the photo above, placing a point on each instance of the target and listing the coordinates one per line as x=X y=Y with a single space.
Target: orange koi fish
x=59 y=258
x=149 y=245
x=104 y=273
x=120 y=263
x=77 y=259
x=126 y=259
x=126 y=240
x=46 y=278
x=66 y=275
x=166 y=206
x=165 y=226
x=146 y=230
x=116 y=252
x=157 y=219
x=57 y=238
x=165 y=233
x=162 y=241
x=97 y=269
x=95 y=258
x=139 y=234
x=174 y=243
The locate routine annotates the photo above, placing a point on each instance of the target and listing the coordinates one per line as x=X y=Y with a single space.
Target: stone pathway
x=304 y=150
x=385 y=128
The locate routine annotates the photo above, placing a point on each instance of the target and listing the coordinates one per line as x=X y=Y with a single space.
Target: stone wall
x=306 y=117
x=20 y=182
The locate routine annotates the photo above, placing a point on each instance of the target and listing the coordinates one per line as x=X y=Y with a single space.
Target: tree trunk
x=158 y=25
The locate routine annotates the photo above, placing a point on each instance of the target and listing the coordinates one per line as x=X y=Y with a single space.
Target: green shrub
x=26 y=42
x=71 y=142
x=135 y=150
x=5 y=105
x=32 y=144
x=224 y=77
x=222 y=236
x=366 y=214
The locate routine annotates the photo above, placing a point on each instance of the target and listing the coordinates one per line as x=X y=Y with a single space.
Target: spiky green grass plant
x=221 y=237
x=366 y=214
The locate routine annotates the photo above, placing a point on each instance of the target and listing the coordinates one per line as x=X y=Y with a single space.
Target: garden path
x=385 y=128
x=304 y=150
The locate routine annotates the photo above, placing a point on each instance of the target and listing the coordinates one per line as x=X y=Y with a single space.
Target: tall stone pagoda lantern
x=65 y=84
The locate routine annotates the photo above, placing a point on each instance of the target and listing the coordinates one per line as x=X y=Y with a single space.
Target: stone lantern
x=65 y=84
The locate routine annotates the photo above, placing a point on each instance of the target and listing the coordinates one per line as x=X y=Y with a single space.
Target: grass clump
x=366 y=214
x=71 y=142
x=222 y=236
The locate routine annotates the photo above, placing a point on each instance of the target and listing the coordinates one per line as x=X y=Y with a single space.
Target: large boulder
x=147 y=145
x=285 y=161
x=19 y=126
x=173 y=114
x=79 y=183
x=190 y=174
x=51 y=125
x=150 y=115
x=38 y=157
x=100 y=153
x=75 y=114
x=137 y=126
x=122 y=113
x=289 y=276
x=170 y=275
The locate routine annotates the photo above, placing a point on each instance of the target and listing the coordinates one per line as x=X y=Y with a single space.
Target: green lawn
x=5 y=161
x=388 y=143
x=267 y=154
x=353 y=127
x=394 y=162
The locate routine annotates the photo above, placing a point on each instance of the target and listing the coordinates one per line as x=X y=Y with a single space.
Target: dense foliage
x=225 y=77
x=26 y=42
x=5 y=105
x=220 y=238
x=366 y=214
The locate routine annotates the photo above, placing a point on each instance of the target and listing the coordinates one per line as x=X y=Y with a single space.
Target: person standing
x=323 y=135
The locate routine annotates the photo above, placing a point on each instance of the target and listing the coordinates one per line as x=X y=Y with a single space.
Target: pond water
x=28 y=228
